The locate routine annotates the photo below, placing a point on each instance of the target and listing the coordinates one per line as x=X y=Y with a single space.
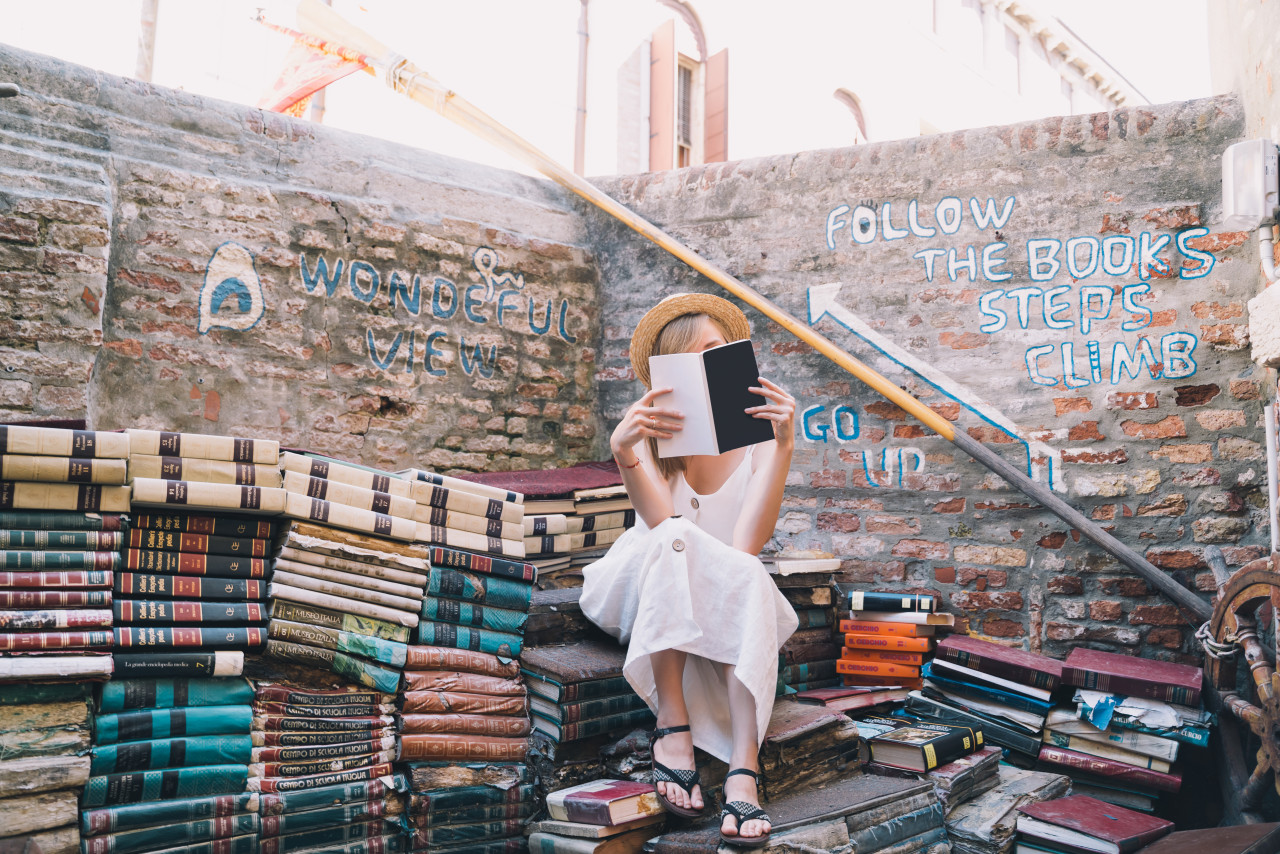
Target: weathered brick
x=1063 y=631
x=1236 y=448
x=59 y=399
x=1173 y=504
x=1085 y=431
x=1104 y=486
x=993 y=555
x=1219 y=529
x=1184 y=453
x=1176 y=558
x=1132 y=400
x=1068 y=585
x=64 y=210
x=1065 y=405
x=843 y=522
x=1220 y=419
x=795 y=522
x=1225 y=336
x=921 y=549
x=974 y=600
x=1198 y=477
x=827 y=478
x=1003 y=628
x=19 y=230
x=1167 y=428
x=1096 y=457
x=952 y=505
x=1113 y=634
x=944 y=574
x=1156 y=615
x=1168 y=638
x=1124 y=586
x=1217 y=310
x=1105 y=611
x=1055 y=540
x=16 y=393
x=1245 y=390
x=59 y=261
x=1195 y=395
x=892 y=525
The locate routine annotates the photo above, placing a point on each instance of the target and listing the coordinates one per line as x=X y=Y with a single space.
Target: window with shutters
x=684 y=115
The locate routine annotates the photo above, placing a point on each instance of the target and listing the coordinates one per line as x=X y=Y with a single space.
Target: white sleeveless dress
x=682 y=585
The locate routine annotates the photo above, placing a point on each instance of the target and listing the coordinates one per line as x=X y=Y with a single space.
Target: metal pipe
x=580 y=119
x=147 y=40
x=1273 y=474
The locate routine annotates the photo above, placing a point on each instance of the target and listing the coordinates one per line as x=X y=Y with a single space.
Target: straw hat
x=729 y=317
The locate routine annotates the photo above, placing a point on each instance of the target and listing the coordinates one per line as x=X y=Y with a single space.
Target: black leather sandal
x=682 y=778
x=744 y=812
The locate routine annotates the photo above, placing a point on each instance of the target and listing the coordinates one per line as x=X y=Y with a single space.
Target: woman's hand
x=781 y=410
x=644 y=420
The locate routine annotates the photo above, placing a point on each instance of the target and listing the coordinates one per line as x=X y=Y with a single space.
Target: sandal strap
x=665 y=731
x=747 y=771
x=682 y=777
x=743 y=812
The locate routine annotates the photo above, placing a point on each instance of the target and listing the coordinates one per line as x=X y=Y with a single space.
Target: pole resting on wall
x=403 y=76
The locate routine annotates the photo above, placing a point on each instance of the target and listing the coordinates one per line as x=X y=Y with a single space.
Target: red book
x=28 y=599
x=37 y=580
x=1088 y=820
x=1110 y=769
x=604 y=802
x=849 y=699
x=1150 y=679
x=470 y=748
x=41 y=641
x=1038 y=671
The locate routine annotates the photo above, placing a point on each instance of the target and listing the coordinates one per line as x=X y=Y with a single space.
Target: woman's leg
x=746 y=750
x=675 y=750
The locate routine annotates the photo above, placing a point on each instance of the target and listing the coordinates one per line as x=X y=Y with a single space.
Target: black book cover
x=731 y=371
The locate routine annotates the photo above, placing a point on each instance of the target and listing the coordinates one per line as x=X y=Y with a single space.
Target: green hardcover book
x=136 y=816
x=329 y=837
x=592 y=726
x=460 y=637
x=298 y=613
x=376 y=649
x=139 y=786
x=127 y=694
x=317 y=819
x=361 y=672
x=171 y=753
x=590 y=689
x=173 y=723
x=456 y=834
x=793 y=673
x=362 y=792
x=479 y=589
x=102 y=561
x=151 y=838
x=445 y=800
x=46 y=520
x=247 y=844
x=476 y=616
x=28 y=693
x=436 y=776
x=815 y=684
x=477 y=814
x=88 y=541
x=586 y=709
x=510 y=845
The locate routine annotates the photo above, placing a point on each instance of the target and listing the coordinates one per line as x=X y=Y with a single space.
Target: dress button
x=678 y=545
x=694 y=502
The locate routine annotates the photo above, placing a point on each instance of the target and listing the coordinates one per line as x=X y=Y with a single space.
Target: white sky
x=517 y=59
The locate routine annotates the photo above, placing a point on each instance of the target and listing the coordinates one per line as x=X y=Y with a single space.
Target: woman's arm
x=770 y=464
x=648 y=492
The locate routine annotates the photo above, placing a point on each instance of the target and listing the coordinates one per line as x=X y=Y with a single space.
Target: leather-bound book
x=1039 y=671
x=1084 y=821
x=1148 y=678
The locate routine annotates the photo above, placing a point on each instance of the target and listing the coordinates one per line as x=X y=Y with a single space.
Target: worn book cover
x=470 y=683
x=480 y=589
x=505 y=726
x=1038 y=671
x=436 y=702
x=139 y=786
x=315 y=465
x=126 y=694
x=220 y=525
x=865 y=600
x=1151 y=679
x=923 y=746
x=199 y=446
x=178 y=664
x=58 y=442
x=712 y=390
x=437 y=658
x=180 y=541
x=462 y=747
x=1110 y=769
x=580 y=729
x=171 y=753
x=332 y=619
x=607 y=802
x=44 y=559
x=477 y=616
x=584 y=661
x=363 y=791
x=1082 y=820
x=1239 y=839
x=172 y=723
x=316 y=781
x=501 y=644
x=542 y=484
x=159 y=813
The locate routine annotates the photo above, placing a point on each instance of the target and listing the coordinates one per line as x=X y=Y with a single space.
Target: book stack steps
x=599 y=817
x=1079 y=822
x=953 y=782
x=1006 y=691
x=887 y=637
x=199 y=557
x=322 y=763
x=807 y=584
x=458 y=514
x=464 y=727
x=43 y=729
x=169 y=766
x=56 y=566
x=577 y=692
x=1122 y=766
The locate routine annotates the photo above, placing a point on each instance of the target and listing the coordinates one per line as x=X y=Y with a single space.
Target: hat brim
x=727 y=315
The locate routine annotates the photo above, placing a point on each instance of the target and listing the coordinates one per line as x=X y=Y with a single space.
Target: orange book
x=888 y=642
x=879 y=627
x=876 y=668
x=891 y=656
x=881 y=681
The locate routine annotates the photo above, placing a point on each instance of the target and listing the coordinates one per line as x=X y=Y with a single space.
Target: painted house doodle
x=231 y=297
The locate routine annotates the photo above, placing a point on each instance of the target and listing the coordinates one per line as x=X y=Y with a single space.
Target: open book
x=711 y=389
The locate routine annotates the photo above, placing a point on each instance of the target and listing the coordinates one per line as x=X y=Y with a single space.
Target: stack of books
x=1006 y=691
x=922 y=746
x=459 y=514
x=987 y=824
x=1079 y=822
x=1131 y=769
x=853 y=698
x=887 y=636
x=476 y=601
x=195 y=574
x=44 y=730
x=460 y=708
x=577 y=692
x=808 y=659
x=311 y=819
x=307 y=738
x=169 y=767
x=599 y=817
x=953 y=782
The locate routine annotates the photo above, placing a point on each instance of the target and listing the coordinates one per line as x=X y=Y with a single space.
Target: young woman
x=702 y=619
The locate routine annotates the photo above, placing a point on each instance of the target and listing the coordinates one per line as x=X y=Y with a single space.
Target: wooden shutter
x=662 y=97
x=716 y=138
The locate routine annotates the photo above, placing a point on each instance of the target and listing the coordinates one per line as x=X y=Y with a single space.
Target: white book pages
x=685 y=374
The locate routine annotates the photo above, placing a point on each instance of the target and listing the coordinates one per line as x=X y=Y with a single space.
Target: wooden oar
x=403 y=76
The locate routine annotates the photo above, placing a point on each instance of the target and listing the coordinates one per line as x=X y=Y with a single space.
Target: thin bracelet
x=633 y=465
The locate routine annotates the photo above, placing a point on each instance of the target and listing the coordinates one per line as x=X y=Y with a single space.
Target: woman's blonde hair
x=678 y=336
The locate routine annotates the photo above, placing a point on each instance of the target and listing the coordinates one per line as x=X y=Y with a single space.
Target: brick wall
x=172 y=261
x=920 y=252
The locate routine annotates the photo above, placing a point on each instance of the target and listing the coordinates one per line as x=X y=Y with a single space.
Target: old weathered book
x=319 y=698
x=461 y=836
x=1066 y=722
x=57 y=442
x=26 y=495
x=1238 y=839
x=208 y=471
x=865 y=600
x=481 y=813
x=172 y=723
x=349 y=495
x=359 y=792
x=375 y=649
x=129 y=585
x=314 y=465
x=849 y=699
x=178 y=664
x=29 y=814
x=476 y=616
x=317 y=819
x=442 y=556
x=282 y=723
x=190 y=637
x=35 y=774
x=127 y=694
x=1139 y=677
x=139 y=786
x=182 y=563
x=181 y=541
x=220 y=525
x=431 y=495
x=501 y=644
x=996 y=730
x=340 y=604
x=923 y=746
x=1078 y=820
x=323 y=712
x=584 y=670
x=1105 y=750
x=37 y=520
x=48 y=641
x=43 y=729
x=479 y=588
x=233 y=834
x=279 y=738
x=336 y=515
x=358 y=670
x=162 y=444
x=433 y=778
x=352 y=579
x=438 y=702
x=469 y=661
x=606 y=802
x=207 y=496
x=321 y=766
x=39 y=599
x=470 y=683
x=409 y=603
x=167 y=612
x=438 y=517
x=585 y=728
x=462 y=747
x=1143 y=778
x=586 y=709
x=583 y=830
x=333 y=619
x=42 y=667
x=502 y=726
x=44 y=560
x=481 y=489
x=375 y=567
x=160 y=813
x=171 y=753
x=62 y=469
x=441 y=536
x=89 y=541
x=913 y=618
x=32 y=621
x=1029 y=668
x=316 y=781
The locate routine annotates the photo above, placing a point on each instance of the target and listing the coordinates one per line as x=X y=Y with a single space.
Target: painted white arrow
x=824 y=300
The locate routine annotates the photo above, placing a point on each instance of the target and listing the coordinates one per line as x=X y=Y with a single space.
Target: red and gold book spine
x=876 y=668
x=879 y=627
x=887 y=643
x=74 y=578
x=456 y=748
x=55 y=599
x=42 y=641
x=493 y=725
x=914 y=659
x=184 y=563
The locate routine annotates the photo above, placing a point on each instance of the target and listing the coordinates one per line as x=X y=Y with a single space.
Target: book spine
x=149 y=539
x=263 y=738
x=348 y=495
x=880 y=628
x=29 y=621
x=996 y=667
x=22 y=495
x=346 y=591
x=371 y=479
x=545 y=525
x=361 y=672
x=599 y=726
x=358 y=792
x=218 y=496
x=101 y=561
x=233 y=835
x=465 y=724
x=438 y=702
x=69 y=578
x=441 y=536
x=88 y=541
x=887 y=643
x=126 y=694
x=62 y=469
x=595 y=688
x=58 y=442
x=332 y=838
x=135 y=787
x=449 y=747
x=23 y=520
x=1199 y=736
x=178 y=664
x=321 y=699
x=913 y=659
x=460 y=834
x=373 y=569
x=36 y=599
x=207 y=471
x=168 y=612
x=223 y=526
x=1130 y=686
x=1112 y=770
x=473 y=815
x=453 y=520
x=361 y=580
x=151 y=724
x=165 y=444
x=182 y=563
x=188 y=637
x=130 y=584
x=813 y=618
x=479 y=589
x=470 y=683
x=876 y=668
x=476 y=616
x=317 y=819
x=604 y=707
x=480 y=640
x=338 y=778
x=432 y=495
x=1106 y=750
x=809 y=672
x=484 y=564
x=114 y=819
x=601 y=521
x=466 y=661
x=42 y=641
x=484 y=490
x=337 y=515
x=345 y=710
x=298 y=613
x=461 y=797
x=320 y=752
x=384 y=652
x=308 y=769
x=330 y=602
x=868 y=601
x=171 y=752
